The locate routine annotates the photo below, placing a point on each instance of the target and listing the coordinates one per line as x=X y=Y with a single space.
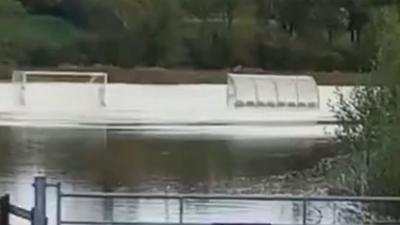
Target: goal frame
x=20 y=77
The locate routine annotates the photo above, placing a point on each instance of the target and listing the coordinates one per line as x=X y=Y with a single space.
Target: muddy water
x=113 y=161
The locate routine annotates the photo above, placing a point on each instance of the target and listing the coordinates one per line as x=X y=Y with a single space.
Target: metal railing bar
x=126 y=223
x=216 y=223
x=118 y=195
x=181 y=198
x=233 y=197
x=369 y=223
x=51 y=185
x=384 y=222
x=20 y=212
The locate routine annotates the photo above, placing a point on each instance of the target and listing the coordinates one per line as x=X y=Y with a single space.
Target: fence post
x=4 y=210
x=334 y=213
x=39 y=213
x=304 y=211
x=59 y=209
x=181 y=210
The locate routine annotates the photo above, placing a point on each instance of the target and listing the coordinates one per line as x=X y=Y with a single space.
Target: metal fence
x=38 y=214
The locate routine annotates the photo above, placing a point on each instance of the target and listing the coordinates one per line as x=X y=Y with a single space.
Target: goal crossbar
x=63 y=73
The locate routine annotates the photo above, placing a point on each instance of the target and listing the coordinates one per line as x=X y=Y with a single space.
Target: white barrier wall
x=62 y=97
x=134 y=97
x=133 y=103
x=7 y=97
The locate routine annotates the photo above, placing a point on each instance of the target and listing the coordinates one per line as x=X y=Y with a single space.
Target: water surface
x=114 y=161
x=164 y=156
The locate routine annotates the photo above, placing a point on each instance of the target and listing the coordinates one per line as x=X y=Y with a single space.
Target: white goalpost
x=272 y=91
x=60 y=90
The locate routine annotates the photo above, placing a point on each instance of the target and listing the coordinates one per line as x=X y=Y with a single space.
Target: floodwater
x=227 y=159
x=100 y=160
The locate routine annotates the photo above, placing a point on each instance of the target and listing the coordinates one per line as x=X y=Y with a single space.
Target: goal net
x=272 y=91
x=60 y=91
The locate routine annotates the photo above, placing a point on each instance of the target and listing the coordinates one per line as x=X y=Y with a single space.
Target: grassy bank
x=186 y=76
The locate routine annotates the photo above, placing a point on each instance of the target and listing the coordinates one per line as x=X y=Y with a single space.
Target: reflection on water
x=101 y=160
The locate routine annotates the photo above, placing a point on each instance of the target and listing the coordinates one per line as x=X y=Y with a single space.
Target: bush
x=209 y=51
x=373 y=143
x=212 y=34
x=34 y=33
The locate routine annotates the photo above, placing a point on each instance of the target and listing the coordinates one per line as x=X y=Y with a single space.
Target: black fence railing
x=38 y=216
x=7 y=209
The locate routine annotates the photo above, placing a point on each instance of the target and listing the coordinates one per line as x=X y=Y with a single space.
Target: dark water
x=111 y=161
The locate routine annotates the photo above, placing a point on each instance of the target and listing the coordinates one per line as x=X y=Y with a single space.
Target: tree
x=126 y=12
x=160 y=28
x=357 y=15
x=373 y=141
x=331 y=16
x=228 y=11
x=39 y=6
x=152 y=27
x=264 y=11
x=202 y=10
x=74 y=11
x=10 y=8
x=292 y=15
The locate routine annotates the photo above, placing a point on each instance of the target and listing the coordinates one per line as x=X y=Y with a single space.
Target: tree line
x=322 y=35
x=370 y=166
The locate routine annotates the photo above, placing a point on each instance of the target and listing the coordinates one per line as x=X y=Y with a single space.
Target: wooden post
x=4 y=210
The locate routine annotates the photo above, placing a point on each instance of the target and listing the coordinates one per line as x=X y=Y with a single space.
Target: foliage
x=373 y=141
x=10 y=8
x=33 y=32
x=148 y=29
x=201 y=10
x=274 y=34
